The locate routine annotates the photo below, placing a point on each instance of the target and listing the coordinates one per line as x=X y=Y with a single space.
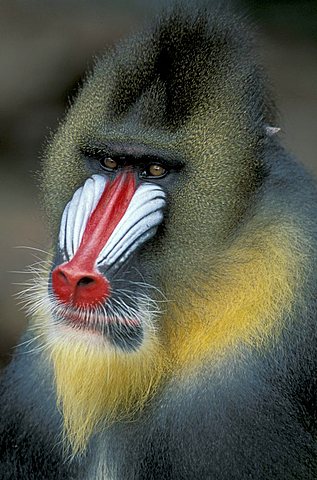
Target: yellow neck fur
x=242 y=305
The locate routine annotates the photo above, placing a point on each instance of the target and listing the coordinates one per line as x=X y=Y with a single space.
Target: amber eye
x=156 y=170
x=109 y=163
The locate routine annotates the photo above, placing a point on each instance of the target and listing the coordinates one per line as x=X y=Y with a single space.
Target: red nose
x=79 y=287
x=77 y=282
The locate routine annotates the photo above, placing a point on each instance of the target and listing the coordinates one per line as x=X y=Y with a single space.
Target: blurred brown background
x=47 y=45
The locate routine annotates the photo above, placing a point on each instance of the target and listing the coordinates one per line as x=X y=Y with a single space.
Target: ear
x=270 y=131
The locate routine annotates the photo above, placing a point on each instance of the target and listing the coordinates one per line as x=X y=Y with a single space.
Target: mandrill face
x=148 y=177
x=146 y=184
x=97 y=280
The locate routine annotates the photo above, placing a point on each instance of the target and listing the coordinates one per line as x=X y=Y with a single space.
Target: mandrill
x=173 y=331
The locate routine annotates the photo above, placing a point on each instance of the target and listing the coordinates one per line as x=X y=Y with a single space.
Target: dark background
x=47 y=45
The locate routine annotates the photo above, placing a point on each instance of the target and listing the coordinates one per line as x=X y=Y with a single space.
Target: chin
x=105 y=325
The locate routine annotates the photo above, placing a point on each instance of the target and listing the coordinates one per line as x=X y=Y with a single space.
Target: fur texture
x=96 y=387
x=224 y=385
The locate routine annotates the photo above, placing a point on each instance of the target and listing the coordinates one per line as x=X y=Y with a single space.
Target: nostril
x=85 y=281
x=77 y=286
x=63 y=276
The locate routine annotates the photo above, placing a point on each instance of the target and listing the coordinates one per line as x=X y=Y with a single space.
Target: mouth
x=86 y=318
x=120 y=322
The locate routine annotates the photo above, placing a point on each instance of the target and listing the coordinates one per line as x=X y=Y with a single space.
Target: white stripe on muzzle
x=77 y=213
x=138 y=224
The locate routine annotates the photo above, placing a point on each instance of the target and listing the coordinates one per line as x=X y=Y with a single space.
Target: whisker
x=35 y=249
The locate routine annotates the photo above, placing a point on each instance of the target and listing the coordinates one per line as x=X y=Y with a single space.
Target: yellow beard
x=243 y=305
x=97 y=385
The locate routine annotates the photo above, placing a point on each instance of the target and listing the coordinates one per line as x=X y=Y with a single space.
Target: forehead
x=183 y=86
x=161 y=75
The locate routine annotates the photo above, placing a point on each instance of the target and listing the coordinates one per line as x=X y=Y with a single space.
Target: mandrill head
x=149 y=186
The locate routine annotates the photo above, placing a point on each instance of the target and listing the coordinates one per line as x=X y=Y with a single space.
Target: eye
x=155 y=170
x=109 y=163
